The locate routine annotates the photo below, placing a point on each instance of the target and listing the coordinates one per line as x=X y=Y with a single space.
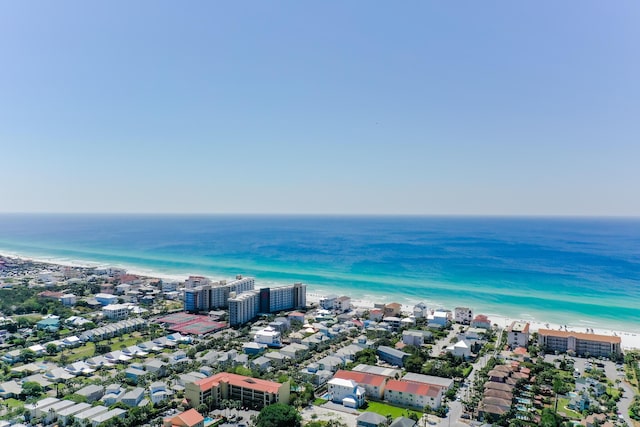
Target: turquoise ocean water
x=575 y=271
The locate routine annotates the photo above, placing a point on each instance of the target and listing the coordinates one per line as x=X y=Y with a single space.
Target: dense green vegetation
x=278 y=415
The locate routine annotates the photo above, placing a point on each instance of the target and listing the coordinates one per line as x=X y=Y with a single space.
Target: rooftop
x=361 y=377
x=239 y=381
x=579 y=335
x=519 y=327
x=413 y=388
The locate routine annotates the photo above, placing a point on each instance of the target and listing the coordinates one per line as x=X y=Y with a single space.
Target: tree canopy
x=278 y=415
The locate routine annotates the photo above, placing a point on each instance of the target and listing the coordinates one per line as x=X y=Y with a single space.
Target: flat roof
x=580 y=335
x=428 y=379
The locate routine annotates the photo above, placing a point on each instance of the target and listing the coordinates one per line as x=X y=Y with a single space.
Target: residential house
x=346 y=392
x=392 y=309
x=190 y=418
x=403 y=422
x=159 y=392
x=65 y=415
x=392 y=356
x=112 y=394
x=92 y=392
x=51 y=324
x=328 y=302
x=416 y=337
x=481 y=321
x=134 y=374
x=133 y=397
x=373 y=384
x=102 y=418
x=84 y=418
x=156 y=367
x=420 y=310
x=370 y=419
x=10 y=389
x=460 y=349
x=253 y=348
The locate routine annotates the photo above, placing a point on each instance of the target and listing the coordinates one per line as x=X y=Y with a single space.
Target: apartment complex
x=202 y=295
x=273 y=300
x=252 y=392
x=243 y=307
x=247 y=305
x=581 y=344
x=463 y=315
x=518 y=334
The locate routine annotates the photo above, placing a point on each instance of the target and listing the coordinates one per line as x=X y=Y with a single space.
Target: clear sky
x=416 y=107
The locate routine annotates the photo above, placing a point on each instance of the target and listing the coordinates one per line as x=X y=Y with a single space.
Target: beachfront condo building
x=195 y=281
x=243 y=307
x=281 y=298
x=208 y=296
x=247 y=305
x=518 y=334
x=252 y=392
x=463 y=315
x=579 y=343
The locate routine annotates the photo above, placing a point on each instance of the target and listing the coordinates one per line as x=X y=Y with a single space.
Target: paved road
x=612 y=374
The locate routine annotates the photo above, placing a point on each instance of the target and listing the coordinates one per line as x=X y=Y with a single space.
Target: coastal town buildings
x=581 y=344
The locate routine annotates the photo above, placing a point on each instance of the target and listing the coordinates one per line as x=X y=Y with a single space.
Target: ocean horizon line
x=568 y=216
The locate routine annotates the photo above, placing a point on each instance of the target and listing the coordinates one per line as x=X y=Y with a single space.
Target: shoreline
x=629 y=339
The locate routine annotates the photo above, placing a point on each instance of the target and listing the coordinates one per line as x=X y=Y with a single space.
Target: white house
x=346 y=392
x=328 y=302
x=420 y=310
x=268 y=336
x=116 y=311
x=68 y=300
x=460 y=349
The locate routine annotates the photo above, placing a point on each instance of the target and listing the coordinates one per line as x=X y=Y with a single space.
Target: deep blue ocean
x=575 y=271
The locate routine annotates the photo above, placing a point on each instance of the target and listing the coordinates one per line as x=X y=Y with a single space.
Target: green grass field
x=385 y=409
x=13 y=403
x=562 y=407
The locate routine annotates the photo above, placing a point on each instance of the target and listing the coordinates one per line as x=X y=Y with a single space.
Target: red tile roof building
x=252 y=392
x=579 y=343
x=373 y=384
x=190 y=418
x=413 y=394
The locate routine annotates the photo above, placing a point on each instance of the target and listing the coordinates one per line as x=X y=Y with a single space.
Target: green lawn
x=385 y=409
x=79 y=353
x=319 y=401
x=613 y=392
x=562 y=407
x=13 y=403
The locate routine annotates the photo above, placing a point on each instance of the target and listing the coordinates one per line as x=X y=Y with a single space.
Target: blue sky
x=326 y=107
